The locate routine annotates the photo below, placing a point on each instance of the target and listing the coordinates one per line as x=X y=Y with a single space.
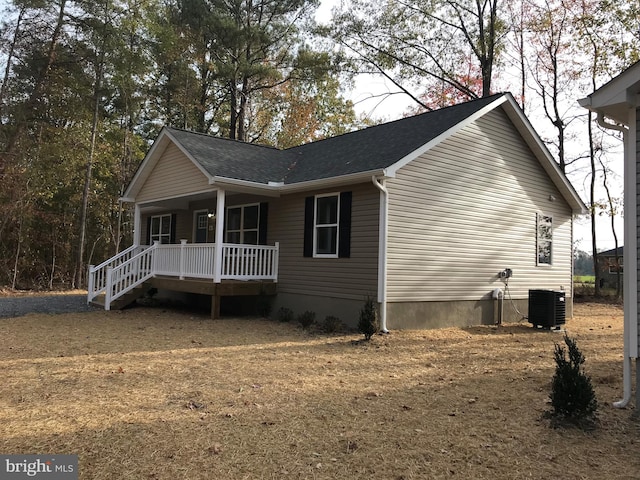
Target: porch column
x=217 y=266
x=137 y=221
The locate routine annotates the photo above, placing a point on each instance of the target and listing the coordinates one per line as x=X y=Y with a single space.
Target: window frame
x=542 y=221
x=242 y=231
x=317 y=226
x=159 y=236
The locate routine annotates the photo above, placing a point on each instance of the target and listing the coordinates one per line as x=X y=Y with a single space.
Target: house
x=424 y=214
x=617 y=106
x=610 y=263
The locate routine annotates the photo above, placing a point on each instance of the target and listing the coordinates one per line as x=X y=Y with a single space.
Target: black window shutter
x=149 y=230
x=172 y=236
x=344 y=237
x=309 y=203
x=262 y=223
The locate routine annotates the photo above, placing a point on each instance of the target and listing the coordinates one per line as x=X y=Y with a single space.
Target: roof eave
x=340 y=180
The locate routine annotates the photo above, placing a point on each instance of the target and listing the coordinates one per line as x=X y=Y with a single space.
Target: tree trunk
x=36 y=93
x=99 y=69
x=7 y=69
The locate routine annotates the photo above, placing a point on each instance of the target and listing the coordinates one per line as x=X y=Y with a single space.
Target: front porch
x=231 y=270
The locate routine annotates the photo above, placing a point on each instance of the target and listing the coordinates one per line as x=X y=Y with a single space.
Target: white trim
x=540 y=216
x=151 y=159
x=220 y=210
x=326 y=225
x=137 y=225
x=174 y=197
x=338 y=181
x=391 y=170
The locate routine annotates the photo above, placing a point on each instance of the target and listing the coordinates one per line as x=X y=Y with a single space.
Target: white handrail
x=97 y=276
x=128 y=269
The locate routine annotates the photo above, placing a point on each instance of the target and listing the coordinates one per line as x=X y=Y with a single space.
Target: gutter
x=382 y=255
x=629 y=232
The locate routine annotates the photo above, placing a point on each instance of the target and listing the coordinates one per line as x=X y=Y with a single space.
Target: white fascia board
x=188 y=155
x=147 y=164
x=391 y=170
x=540 y=150
x=152 y=157
x=349 y=179
x=271 y=189
x=184 y=197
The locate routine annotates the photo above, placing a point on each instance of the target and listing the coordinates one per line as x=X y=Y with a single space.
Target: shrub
x=368 y=322
x=572 y=396
x=306 y=319
x=285 y=314
x=331 y=324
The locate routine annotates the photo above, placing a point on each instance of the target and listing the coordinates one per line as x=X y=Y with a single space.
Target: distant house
x=610 y=262
x=422 y=214
x=617 y=105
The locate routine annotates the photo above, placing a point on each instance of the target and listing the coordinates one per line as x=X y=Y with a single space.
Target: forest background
x=87 y=85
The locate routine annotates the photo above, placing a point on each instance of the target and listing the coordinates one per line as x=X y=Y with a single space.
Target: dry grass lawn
x=158 y=394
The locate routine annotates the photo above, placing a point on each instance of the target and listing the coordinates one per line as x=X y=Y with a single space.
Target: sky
x=369 y=100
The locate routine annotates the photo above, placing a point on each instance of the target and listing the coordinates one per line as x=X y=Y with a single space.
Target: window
x=545 y=239
x=614 y=266
x=243 y=224
x=160 y=229
x=326 y=225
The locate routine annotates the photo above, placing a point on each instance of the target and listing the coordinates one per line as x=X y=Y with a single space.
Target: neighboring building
x=422 y=214
x=619 y=101
x=610 y=262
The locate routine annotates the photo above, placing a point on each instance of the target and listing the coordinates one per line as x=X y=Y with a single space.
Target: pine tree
x=572 y=395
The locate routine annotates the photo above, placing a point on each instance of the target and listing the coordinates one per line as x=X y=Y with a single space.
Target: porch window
x=243 y=224
x=545 y=239
x=160 y=229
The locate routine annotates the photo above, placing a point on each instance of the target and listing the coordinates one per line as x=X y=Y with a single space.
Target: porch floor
x=227 y=288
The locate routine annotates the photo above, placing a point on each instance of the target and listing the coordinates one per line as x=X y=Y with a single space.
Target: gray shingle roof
x=370 y=149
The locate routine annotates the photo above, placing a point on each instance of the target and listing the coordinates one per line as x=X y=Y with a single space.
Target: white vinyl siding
x=466 y=210
x=173 y=175
x=352 y=278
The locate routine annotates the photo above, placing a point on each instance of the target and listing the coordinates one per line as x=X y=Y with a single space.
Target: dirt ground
x=158 y=394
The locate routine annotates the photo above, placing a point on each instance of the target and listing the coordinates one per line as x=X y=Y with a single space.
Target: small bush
x=572 y=396
x=285 y=314
x=331 y=324
x=307 y=319
x=368 y=322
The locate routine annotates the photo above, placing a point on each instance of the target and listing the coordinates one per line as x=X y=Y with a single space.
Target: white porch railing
x=137 y=264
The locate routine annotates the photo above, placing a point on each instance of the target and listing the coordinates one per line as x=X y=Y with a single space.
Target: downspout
x=382 y=255
x=629 y=233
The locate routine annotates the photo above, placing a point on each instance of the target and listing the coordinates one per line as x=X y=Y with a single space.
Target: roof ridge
x=403 y=119
x=207 y=135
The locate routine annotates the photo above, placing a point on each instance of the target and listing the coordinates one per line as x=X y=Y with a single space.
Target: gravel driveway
x=18 y=306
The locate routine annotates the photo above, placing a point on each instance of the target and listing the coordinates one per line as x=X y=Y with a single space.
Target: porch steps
x=123 y=301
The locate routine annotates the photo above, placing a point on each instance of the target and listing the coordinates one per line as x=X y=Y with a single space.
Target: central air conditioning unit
x=547 y=308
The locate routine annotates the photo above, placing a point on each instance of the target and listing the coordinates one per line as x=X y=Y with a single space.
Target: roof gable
x=378 y=150
x=615 y=97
